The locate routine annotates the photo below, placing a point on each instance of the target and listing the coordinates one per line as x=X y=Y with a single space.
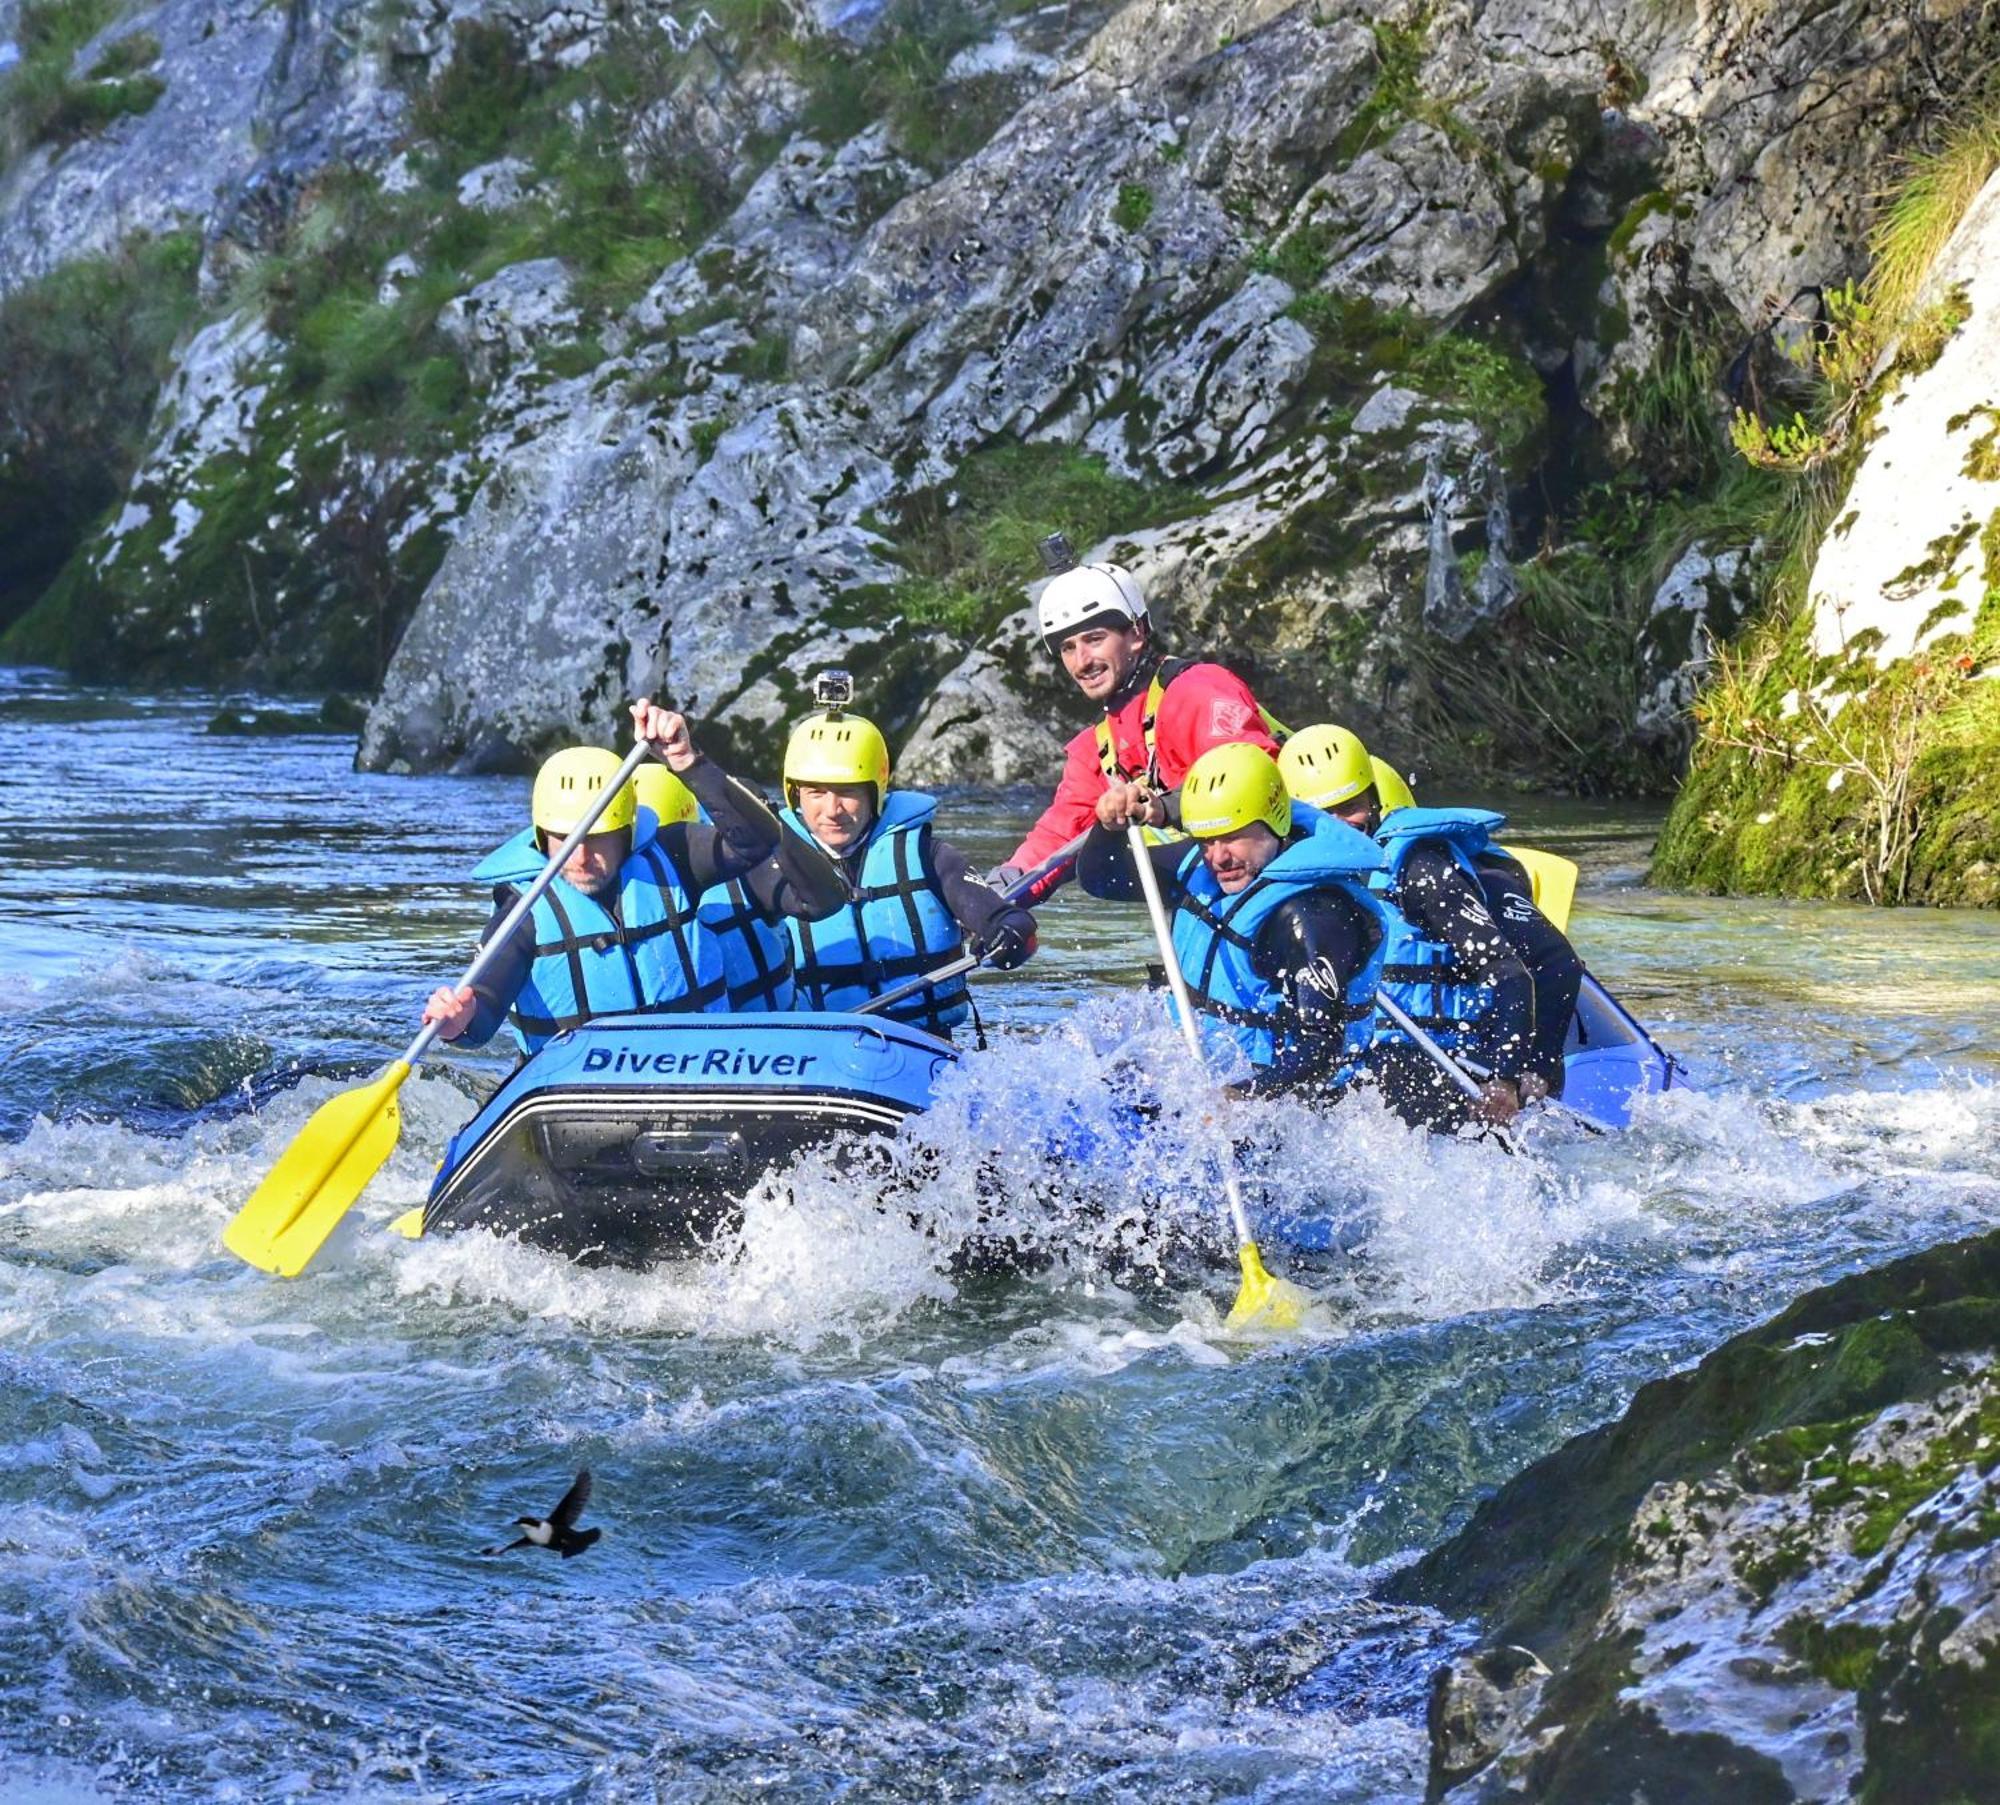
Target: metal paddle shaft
x=1261 y=1297
x=1451 y=1068
x=965 y=962
x=1443 y=1060
x=344 y=1142
x=496 y=942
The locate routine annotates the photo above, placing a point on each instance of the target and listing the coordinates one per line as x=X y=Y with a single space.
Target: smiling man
x=914 y=901
x=1275 y=928
x=620 y=927
x=1159 y=714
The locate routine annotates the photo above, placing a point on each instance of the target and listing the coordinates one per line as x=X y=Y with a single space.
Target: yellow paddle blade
x=410 y=1224
x=1554 y=879
x=330 y=1160
x=1265 y=1302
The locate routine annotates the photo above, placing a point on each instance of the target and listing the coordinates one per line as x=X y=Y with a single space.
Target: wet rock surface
x=1777 y=1577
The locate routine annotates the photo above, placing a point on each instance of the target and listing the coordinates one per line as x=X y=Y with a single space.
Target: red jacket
x=1203 y=706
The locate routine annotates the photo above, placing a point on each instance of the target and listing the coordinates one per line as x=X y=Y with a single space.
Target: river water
x=870 y=1532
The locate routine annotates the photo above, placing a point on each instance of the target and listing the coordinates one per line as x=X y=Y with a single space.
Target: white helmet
x=1084 y=593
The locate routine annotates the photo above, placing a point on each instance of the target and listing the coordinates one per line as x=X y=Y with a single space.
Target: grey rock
x=397 y=274
x=988 y=720
x=504 y=319
x=523 y=635
x=1701 y=601
x=1386 y=410
x=854 y=20
x=496 y=187
x=1479 y=1702
x=1222 y=388
x=1418 y=224
x=759 y=543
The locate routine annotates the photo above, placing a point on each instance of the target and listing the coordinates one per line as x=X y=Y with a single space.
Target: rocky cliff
x=1853 y=747
x=1777 y=1578
x=502 y=359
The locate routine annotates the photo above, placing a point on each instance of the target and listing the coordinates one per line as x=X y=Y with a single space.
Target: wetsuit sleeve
x=1104 y=867
x=1441 y=899
x=501 y=982
x=1205 y=706
x=1311 y=948
x=1073 y=809
x=1553 y=967
x=979 y=912
x=797 y=880
x=744 y=832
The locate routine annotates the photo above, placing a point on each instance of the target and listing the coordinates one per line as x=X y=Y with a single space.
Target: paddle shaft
x=1149 y=884
x=1443 y=1060
x=966 y=962
x=496 y=942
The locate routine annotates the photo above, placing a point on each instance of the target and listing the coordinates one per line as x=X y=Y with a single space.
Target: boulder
x=1776 y=1577
x=502 y=321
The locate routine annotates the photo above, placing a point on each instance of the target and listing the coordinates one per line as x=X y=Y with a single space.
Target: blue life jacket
x=649 y=952
x=1422 y=975
x=756 y=951
x=1215 y=937
x=896 y=928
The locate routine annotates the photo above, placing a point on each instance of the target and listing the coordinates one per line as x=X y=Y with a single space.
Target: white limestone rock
x=1904 y=561
x=501 y=322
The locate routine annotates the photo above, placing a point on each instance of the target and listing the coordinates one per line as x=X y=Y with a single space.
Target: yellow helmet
x=657 y=788
x=836 y=748
x=568 y=783
x=1326 y=766
x=1390 y=789
x=1228 y=787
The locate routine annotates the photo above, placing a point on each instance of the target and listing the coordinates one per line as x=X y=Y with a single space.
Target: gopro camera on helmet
x=832 y=689
x=1057 y=556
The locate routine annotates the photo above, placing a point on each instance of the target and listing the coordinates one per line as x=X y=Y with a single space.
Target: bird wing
x=507 y=1547
x=565 y=1514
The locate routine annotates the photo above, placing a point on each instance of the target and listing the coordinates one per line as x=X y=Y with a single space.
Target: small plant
x=1134 y=207
x=972 y=544
x=40 y=103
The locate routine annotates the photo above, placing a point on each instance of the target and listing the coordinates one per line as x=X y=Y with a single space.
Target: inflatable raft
x=634 y=1138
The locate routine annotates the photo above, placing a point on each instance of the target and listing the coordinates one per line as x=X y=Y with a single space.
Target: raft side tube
x=635 y=1136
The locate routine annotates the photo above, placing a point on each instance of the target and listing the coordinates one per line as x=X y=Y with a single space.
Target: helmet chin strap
x=1141 y=675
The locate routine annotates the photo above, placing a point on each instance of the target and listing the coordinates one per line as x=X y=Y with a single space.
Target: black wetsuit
x=1311 y=947
x=1553 y=967
x=742 y=838
x=1442 y=901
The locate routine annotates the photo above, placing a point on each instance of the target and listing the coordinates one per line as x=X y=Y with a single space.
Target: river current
x=871 y=1531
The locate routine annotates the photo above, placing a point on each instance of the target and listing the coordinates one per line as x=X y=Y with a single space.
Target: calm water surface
x=870 y=1532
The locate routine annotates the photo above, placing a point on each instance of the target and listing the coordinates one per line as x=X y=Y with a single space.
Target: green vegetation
x=1134 y=208
x=1361 y=345
x=1822 y=775
x=82 y=356
x=972 y=544
x=1558 y=672
x=1399 y=56
x=42 y=103
x=898 y=76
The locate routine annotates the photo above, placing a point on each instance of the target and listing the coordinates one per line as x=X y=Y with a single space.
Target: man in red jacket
x=1160 y=714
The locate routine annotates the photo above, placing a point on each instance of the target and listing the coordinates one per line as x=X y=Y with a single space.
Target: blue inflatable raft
x=634 y=1138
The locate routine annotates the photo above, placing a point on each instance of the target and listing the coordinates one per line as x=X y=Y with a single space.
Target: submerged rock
x=1776 y=1577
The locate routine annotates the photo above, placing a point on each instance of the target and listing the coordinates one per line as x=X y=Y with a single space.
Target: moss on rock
x=1825 y=1487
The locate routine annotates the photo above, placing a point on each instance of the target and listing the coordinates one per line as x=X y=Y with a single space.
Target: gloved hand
x=1002 y=878
x=1008 y=941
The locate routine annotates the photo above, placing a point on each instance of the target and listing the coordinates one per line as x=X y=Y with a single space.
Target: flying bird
x=558 y=1530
